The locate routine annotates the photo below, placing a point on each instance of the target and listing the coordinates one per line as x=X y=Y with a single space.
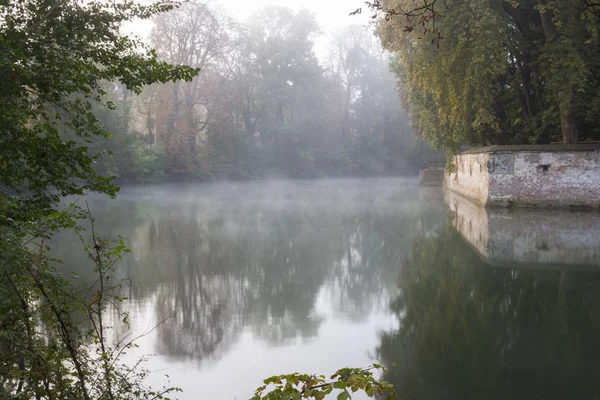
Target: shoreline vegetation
x=83 y=104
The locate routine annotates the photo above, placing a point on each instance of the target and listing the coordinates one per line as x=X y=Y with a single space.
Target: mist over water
x=270 y=220
x=248 y=280
x=259 y=278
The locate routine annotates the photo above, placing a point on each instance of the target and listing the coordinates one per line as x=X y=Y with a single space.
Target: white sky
x=331 y=15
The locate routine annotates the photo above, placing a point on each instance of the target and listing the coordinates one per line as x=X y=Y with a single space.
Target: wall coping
x=534 y=148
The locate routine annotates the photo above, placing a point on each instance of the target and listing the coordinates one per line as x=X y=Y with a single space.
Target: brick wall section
x=536 y=176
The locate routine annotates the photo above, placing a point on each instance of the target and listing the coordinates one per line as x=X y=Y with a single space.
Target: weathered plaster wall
x=470 y=177
x=529 y=238
x=546 y=178
x=551 y=175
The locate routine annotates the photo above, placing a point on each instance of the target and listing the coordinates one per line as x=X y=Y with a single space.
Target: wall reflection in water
x=499 y=305
x=531 y=238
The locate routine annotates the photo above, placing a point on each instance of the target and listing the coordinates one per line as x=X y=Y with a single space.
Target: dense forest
x=262 y=105
x=497 y=72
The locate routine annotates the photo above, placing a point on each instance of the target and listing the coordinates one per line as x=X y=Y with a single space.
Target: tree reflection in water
x=264 y=273
x=221 y=264
x=468 y=330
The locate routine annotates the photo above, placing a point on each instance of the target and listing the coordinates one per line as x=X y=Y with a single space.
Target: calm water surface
x=254 y=279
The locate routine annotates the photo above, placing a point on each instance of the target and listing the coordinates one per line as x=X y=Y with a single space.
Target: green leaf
x=344 y=395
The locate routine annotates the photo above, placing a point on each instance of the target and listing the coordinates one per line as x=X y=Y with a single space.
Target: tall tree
x=199 y=36
x=373 y=127
x=478 y=72
x=55 y=58
x=290 y=94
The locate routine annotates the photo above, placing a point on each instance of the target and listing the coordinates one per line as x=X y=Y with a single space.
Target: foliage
x=346 y=380
x=52 y=336
x=500 y=72
x=148 y=162
x=122 y=153
x=264 y=105
x=55 y=60
x=64 y=63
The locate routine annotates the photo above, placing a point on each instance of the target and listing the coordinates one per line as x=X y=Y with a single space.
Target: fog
x=290 y=247
x=246 y=201
x=234 y=282
x=331 y=16
x=257 y=278
x=263 y=104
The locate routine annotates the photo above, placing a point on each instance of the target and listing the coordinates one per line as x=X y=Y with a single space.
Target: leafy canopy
x=55 y=56
x=497 y=72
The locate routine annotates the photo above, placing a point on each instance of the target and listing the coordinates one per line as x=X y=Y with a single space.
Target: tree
x=353 y=59
x=290 y=93
x=263 y=105
x=55 y=60
x=497 y=72
x=124 y=153
x=200 y=36
x=55 y=56
x=374 y=130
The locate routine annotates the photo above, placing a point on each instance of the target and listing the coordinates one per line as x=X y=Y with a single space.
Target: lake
x=234 y=282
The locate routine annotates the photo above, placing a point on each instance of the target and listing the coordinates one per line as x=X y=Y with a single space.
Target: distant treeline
x=263 y=104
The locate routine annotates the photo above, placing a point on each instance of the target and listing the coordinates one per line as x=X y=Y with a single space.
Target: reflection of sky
x=278 y=277
x=262 y=278
x=339 y=342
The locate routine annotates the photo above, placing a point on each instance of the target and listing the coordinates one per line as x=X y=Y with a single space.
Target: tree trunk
x=567 y=121
x=568 y=127
x=546 y=20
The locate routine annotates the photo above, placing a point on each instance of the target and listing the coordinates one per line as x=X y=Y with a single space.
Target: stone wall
x=551 y=175
x=470 y=176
